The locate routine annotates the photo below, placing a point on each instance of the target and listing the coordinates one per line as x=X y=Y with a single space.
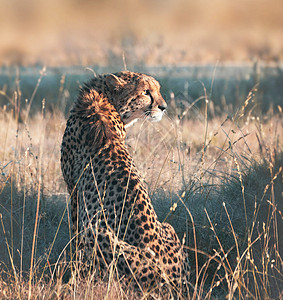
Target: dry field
x=214 y=171
x=72 y=32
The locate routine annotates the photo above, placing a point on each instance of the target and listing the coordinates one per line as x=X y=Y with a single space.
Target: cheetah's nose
x=162 y=107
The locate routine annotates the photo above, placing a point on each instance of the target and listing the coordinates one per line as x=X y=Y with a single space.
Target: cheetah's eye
x=146 y=93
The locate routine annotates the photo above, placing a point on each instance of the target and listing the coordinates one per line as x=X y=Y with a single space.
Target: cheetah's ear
x=114 y=83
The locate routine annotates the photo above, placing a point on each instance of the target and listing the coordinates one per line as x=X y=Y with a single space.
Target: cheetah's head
x=136 y=96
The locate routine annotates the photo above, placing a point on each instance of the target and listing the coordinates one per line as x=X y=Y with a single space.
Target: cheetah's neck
x=104 y=122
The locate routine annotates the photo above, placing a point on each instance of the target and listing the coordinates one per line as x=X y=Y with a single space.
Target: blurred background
x=147 y=32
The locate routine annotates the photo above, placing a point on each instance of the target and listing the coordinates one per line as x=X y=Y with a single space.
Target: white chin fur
x=156 y=118
x=131 y=123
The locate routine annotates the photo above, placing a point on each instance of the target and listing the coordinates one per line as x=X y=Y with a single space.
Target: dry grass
x=219 y=180
x=148 y=32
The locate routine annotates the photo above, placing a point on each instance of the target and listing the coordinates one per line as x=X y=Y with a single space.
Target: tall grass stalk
x=39 y=195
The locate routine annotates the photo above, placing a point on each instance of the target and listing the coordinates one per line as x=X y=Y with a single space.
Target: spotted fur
x=112 y=213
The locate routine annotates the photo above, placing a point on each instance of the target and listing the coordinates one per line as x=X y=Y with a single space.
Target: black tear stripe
x=151 y=103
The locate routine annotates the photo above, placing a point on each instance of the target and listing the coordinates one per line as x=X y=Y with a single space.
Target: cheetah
x=112 y=214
